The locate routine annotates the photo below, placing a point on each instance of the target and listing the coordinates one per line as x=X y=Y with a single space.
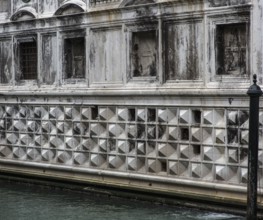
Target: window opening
x=74 y=53
x=28 y=60
x=231 y=49
x=143 y=54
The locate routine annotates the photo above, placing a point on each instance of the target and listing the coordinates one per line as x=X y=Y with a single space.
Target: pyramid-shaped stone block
x=97 y=160
x=141 y=114
x=207 y=135
x=220 y=172
x=19 y=153
x=56 y=113
x=12 y=138
x=85 y=113
x=116 y=162
x=6 y=151
x=64 y=157
x=208 y=117
x=80 y=158
x=48 y=155
x=71 y=142
x=122 y=114
x=184 y=116
x=123 y=148
x=141 y=148
x=172 y=116
x=162 y=115
x=173 y=133
x=219 y=117
x=33 y=154
x=196 y=134
x=220 y=136
x=196 y=170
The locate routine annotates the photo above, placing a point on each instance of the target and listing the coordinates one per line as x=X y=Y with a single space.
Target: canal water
x=32 y=202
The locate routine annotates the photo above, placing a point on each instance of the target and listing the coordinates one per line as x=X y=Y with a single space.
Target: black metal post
x=254 y=92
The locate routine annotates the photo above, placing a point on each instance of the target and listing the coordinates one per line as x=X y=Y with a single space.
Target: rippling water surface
x=31 y=202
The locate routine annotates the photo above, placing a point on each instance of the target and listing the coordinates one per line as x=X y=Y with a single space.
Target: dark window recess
x=163 y=166
x=197 y=150
x=231 y=49
x=143 y=59
x=94 y=113
x=131 y=114
x=74 y=58
x=184 y=134
x=28 y=60
x=196 y=116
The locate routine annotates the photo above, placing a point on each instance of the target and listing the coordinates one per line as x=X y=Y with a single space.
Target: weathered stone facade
x=139 y=92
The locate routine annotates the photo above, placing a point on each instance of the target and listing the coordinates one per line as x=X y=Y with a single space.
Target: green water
x=31 y=202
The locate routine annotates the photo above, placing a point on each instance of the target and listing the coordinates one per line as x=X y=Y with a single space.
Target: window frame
x=131 y=29
x=73 y=35
x=18 y=65
x=213 y=23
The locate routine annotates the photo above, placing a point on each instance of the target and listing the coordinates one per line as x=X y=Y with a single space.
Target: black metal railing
x=99 y=2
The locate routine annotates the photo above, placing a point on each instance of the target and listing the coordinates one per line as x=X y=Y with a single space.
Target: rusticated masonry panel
x=206 y=144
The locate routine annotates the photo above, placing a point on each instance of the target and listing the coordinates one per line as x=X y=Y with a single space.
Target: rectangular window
x=231 y=49
x=74 y=58
x=28 y=60
x=144 y=52
x=4 y=6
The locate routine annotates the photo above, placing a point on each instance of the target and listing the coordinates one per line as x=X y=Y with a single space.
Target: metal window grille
x=28 y=60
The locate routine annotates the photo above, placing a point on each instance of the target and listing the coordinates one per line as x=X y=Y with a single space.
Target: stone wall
x=150 y=88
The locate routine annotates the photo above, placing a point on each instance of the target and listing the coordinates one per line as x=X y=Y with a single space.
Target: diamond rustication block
x=233 y=155
x=208 y=117
x=19 y=153
x=219 y=117
x=33 y=154
x=141 y=148
x=57 y=142
x=179 y=168
x=12 y=138
x=56 y=113
x=116 y=161
x=141 y=114
x=196 y=170
x=80 y=158
x=122 y=114
x=6 y=151
x=72 y=143
x=162 y=115
x=64 y=157
x=244 y=136
x=173 y=133
x=184 y=116
x=167 y=150
x=97 y=160
x=196 y=134
x=123 y=148
x=85 y=113
x=208 y=153
x=48 y=155
x=154 y=166
x=186 y=152
x=207 y=135
x=221 y=172
x=244 y=175
x=220 y=136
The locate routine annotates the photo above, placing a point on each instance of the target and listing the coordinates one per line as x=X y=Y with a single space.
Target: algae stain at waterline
x=16 y=203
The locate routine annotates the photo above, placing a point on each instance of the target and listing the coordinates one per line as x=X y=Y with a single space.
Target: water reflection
x=30 y=202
